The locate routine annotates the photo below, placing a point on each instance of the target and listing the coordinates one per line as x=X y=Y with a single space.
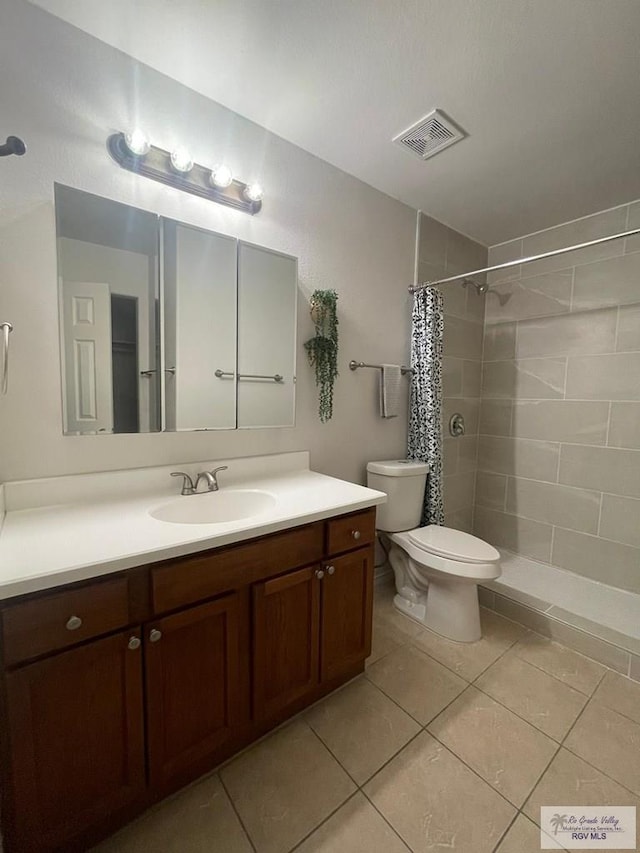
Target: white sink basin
x=215 y=507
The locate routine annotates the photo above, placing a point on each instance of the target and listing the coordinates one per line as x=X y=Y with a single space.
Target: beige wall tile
x=632 y=244
x=461 y=519
x=568 y=334
x=476 y=302
x=602 y=635
x=499 y=341
x=582 y=230
x=600 y=559
x=500 y=254
x=467 y=453
x=464 y=254
x=429 y=271
x=628 y=339
x=634 y=668
x=530 y=617
x=587 y=644
x=521 y=535
x=604 y=377
x=533 y=378
x=459 y=491
x=624 y=427
x=462 y=338
x=491 y=490
x=566 y=506
x=610 y=282
x=449 y=456
x=468 y=407
x=606 y=469
x=538 y=296
x=433 y=241
x=454 y=299
x=495 y=417
x=452 y=376
x=561 y=420
x=471 y=373
x=519 y=457
x=620 y=520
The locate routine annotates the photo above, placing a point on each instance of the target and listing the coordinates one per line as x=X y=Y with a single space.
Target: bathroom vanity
x=121 y=687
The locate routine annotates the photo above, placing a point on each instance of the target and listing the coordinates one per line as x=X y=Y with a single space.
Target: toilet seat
x=453 y=544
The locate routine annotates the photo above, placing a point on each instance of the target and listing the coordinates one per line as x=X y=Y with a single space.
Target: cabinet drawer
x=51 y=622
x=182 y=582
x=351 y=531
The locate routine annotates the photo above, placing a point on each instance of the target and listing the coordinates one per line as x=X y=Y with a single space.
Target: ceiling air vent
x=431 y=134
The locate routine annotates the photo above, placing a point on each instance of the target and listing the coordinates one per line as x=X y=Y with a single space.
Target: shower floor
x=554 y=595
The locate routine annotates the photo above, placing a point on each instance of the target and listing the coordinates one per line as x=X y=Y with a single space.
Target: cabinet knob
x=356 y=534
x=73 y=623
x=319 y=574
x=154 y=635
x=134 y=643
x=330 y=570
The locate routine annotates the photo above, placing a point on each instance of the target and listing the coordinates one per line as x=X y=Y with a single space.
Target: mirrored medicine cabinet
x=165 y=326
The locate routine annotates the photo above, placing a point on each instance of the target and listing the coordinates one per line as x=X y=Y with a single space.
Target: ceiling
x=547 y=91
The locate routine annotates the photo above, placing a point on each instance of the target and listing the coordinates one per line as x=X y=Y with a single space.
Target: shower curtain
x=425 y=424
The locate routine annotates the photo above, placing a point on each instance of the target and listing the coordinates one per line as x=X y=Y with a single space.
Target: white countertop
x=96 y=524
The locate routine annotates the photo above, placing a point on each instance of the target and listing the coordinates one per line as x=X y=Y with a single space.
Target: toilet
x=437 y=569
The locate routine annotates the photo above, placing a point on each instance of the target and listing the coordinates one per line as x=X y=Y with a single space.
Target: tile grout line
x=237 y=813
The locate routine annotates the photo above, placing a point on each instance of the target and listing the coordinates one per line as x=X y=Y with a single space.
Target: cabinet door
x=285 y=640
x=347 y=601
x=192 y=677
x=76 y=741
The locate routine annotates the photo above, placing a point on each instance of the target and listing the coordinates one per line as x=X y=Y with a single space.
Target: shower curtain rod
x=482 y=287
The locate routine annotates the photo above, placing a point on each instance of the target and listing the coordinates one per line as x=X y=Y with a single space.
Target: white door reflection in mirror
x=200 y=328
x=267 y=297
x=87 y=357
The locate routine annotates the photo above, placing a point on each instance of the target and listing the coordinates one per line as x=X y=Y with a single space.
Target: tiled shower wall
x=442 y=252
x=559 y=436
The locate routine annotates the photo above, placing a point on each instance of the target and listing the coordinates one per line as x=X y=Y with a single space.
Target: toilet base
x=451 y=611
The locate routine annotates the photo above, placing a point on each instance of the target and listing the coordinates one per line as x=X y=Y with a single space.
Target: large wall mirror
x=165 y=326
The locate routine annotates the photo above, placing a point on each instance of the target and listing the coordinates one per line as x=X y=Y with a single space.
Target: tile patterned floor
x=438 y=747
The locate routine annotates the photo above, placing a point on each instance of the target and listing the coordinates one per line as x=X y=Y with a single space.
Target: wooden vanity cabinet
x=117 y=691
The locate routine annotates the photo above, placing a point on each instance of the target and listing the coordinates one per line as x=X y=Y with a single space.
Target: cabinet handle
x=134 y=643
x=319 y=574
x=73 y=623
x=356 y=534
x=330 y=570
x=154 y=635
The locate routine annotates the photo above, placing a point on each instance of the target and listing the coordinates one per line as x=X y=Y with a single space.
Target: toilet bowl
x=437 y=569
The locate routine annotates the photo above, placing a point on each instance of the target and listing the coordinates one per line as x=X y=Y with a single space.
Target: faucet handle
x=215 y=470
x=213 y=487
x=187 y=483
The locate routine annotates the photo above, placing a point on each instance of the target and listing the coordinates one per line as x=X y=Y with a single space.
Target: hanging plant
x=322 y=349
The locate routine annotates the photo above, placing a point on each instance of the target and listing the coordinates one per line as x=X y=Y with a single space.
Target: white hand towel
x=390 y=377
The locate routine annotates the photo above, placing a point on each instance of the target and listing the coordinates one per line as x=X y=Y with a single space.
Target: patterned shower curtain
x=425 y=424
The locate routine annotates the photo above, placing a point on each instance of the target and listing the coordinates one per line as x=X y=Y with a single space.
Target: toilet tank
x=403 y=481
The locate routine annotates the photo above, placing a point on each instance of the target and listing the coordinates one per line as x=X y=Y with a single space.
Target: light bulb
x=137 y=142
x=253 y=192
x=181 y=160
x=221 y=176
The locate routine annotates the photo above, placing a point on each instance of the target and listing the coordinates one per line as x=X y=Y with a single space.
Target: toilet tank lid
x=399 y=468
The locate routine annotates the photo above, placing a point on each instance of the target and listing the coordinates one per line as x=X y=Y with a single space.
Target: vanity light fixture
x=137 y=142
x=221 y=176
x=181 y=160
x=253 y=192
x=134 y=152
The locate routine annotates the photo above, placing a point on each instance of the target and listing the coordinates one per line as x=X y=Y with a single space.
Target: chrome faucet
x=191 y=488
x=211 y=477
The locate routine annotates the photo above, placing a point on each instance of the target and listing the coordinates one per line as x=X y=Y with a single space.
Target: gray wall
x=442 y=252
x=65 y=92
x=559 y=451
